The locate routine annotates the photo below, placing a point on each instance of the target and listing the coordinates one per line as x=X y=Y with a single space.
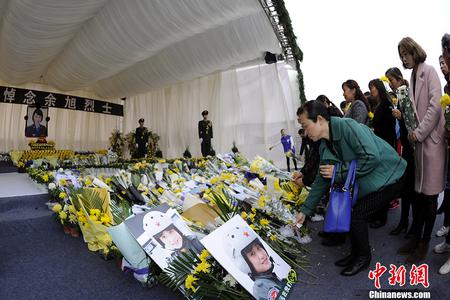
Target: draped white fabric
x=122 y=48
x=249 y=106
x=77 y=130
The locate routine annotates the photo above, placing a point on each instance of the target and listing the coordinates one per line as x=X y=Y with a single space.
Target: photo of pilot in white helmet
x=249 y=259
x=163 y=235
x=248 y=252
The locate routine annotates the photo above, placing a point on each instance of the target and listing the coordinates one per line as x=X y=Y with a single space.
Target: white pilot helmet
x=154 y=222
x=237 y=239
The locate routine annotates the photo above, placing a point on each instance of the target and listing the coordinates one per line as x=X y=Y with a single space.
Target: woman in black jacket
x=384 y=127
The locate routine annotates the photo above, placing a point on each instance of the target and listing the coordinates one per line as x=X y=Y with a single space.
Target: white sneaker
x=443 y=231
x=317 y=218
x=445 y=268
x=441 y=248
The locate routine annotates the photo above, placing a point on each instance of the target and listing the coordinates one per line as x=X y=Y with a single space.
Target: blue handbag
x=342 y=199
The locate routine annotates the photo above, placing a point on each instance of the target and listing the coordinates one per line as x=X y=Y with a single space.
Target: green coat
x=378 y=165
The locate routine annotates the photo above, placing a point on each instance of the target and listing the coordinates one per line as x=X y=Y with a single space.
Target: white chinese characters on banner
x=50 y=100
x=71 y=103
x=106 y=108
x=9 y=95
x=30 y=98
x=89 y=105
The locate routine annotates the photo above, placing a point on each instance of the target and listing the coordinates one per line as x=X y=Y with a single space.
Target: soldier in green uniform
x=205 y=132
x=141 y=138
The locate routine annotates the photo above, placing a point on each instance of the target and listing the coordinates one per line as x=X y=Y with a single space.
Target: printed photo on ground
x=242 y=252
x=163 y=234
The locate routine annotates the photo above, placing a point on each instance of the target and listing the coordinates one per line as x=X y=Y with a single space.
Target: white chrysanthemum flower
x=230 y=279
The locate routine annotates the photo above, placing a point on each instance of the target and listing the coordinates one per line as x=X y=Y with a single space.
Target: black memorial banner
x=47 y=99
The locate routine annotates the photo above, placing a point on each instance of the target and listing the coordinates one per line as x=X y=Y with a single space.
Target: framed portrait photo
x=36 y=124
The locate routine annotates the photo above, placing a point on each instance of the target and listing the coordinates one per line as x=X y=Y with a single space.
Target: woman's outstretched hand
x=326 y=171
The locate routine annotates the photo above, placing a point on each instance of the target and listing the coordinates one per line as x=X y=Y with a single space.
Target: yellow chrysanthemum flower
x=62 y=215
x=445 y=101
x=264 y=222
x=62 y=195
x=252 y=217
x=82 y=219
x=204 y=255
x=88 y=182
x=190 y=281
x=253 y=227
x=276 y=184
x=395 y=101
x=262 y=201
x=384 y=78
x=95 y=212
x=62 y=182
x=253 y=210
x=45 y=178
x=214 y=180
x=57 y=208
x=105 y=219
x=203 y=267
x=273 y=237
x=290 y=196
x=244 y=215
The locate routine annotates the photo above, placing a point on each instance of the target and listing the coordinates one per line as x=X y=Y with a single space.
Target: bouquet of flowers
x=406 y=107
x=202 y=276
x=94 y=216
x=117 y=141
x=262 y=167
x=445 y=103
x=67 y=215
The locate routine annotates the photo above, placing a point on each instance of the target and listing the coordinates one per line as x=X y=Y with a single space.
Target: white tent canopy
x=121 y=48
x=170 y=58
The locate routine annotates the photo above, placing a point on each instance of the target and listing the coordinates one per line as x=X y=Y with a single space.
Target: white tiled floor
x=15 y=184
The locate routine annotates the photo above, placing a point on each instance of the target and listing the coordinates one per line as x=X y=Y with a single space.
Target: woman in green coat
x=379 y=172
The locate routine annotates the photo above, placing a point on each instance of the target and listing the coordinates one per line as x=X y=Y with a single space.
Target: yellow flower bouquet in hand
x=445 y=103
